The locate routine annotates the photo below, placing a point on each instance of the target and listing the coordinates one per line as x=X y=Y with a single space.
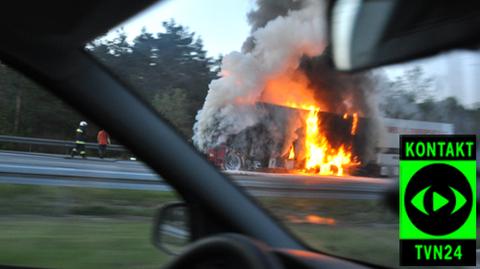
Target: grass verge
x=76 y=242
x=63 y=227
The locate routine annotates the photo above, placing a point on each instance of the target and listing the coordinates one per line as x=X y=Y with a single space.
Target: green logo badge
x=438 y=200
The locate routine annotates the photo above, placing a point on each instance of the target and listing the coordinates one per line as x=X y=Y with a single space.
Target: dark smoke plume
x=340 y=92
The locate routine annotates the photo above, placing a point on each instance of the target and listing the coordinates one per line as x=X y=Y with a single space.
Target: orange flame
x=315 y=219
x=321 y=157
x=291 y=153
x=293 y=90
x=354 y=124
x=289 y=90
x=312 y=219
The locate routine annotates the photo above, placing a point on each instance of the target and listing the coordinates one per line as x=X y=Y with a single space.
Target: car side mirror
x=171 y=228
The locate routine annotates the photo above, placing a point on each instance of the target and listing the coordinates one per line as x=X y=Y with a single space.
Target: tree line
x=170 y=69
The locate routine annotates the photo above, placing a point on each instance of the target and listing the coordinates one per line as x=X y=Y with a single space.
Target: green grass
x=62 y=227
x=374 y=244
x=358 y=212
x=78 y=243
x=364 y=230
x=61 y=201
x=377 y=245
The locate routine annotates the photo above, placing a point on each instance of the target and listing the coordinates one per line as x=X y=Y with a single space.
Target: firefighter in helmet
x=80 y=135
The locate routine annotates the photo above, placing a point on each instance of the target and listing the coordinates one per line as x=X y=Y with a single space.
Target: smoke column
x=282 y=33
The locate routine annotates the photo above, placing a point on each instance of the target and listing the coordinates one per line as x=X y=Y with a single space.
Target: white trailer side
x=388 y=144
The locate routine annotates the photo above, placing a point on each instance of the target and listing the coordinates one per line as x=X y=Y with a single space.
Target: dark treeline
x=169 y=69
x=28 y=110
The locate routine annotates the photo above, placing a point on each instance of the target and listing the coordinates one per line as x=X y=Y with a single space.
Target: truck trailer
x=388 y=144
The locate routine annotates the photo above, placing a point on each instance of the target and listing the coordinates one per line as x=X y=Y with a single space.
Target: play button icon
x=438 y=201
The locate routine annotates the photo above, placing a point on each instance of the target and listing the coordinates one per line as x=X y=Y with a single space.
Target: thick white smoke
x=229 y=106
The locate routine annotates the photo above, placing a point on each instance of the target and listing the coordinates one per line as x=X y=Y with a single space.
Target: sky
x=223 y=26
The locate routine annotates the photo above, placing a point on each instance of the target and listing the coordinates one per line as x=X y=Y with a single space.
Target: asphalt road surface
x=58 y=170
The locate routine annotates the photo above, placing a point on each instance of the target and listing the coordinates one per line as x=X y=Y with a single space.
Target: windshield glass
x=250 y=85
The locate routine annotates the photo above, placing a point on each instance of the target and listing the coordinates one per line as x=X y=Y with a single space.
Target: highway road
x=58 y=170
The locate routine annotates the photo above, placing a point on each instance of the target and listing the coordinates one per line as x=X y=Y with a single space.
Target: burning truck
x=291 y=139
x=324 y=143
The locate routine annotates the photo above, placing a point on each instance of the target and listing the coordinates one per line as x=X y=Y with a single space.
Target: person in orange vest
x=103 y=140
x=80 y=137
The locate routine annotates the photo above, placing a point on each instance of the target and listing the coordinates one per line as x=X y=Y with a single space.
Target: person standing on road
x=103 y=140
x=80 y=137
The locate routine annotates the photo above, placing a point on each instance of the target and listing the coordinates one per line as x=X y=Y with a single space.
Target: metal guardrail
x=55 y=143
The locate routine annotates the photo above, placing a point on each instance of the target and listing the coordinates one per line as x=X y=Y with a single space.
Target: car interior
x=45 y=40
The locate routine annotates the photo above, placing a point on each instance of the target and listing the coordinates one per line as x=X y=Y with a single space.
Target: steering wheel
x=226 y=251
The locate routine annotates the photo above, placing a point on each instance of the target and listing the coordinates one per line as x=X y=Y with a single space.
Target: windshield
x=249 y=84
